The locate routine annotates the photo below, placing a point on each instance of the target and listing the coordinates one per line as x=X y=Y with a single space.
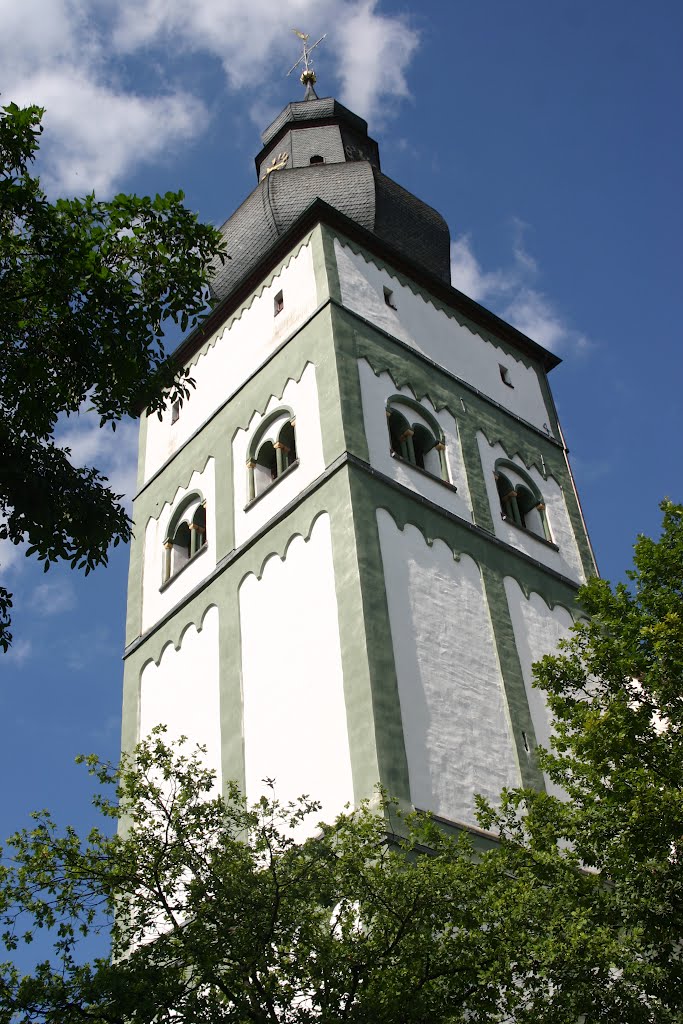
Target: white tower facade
x=361 y=530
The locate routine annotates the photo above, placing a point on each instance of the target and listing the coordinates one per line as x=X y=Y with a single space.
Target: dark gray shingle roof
x=358 y=190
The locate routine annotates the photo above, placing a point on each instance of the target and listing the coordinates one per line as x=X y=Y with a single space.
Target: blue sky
x=548 y=136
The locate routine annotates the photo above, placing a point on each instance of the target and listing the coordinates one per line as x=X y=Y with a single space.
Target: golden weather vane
x=308 y=77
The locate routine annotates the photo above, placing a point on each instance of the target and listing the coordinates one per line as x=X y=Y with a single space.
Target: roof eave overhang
x=321 y=212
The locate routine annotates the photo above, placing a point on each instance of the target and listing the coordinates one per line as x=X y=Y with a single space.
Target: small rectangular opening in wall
x=278 y=304
x=175 y=412
x=526 y=742
x=389 y=298
x=505 y=375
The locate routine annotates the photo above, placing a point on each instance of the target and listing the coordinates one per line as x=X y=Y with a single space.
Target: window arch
x=186 y=534
x=521 y=502
x=416 y=436
x=272 y=452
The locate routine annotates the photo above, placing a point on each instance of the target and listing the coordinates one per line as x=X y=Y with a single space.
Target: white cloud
x=509 y=291
x=53 y=598
x=19 y=652
x=114 y=453
x=468 y=276
x=373 y=51
x=370 y=51
x=94 y=134
x=11 y=556
x=66 y=55
x=56 y=53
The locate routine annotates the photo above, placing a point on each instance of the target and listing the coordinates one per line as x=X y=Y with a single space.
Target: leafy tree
x=86 y=290
x=220 y=912
x=616 y=692
x=359 y=923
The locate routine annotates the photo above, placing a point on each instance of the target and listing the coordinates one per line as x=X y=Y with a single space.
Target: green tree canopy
x=86 y=291
x=220 y=912
x=616 y=693
x=217 y=914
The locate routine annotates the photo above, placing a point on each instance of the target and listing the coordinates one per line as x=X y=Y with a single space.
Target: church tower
x=361 y=530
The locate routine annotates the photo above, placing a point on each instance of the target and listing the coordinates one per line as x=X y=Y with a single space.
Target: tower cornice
x=320 y=212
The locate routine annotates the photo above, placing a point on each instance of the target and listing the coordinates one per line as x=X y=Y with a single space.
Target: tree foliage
x=217 y=914
x=86 y=290
x=616 y=693
x=222 y=912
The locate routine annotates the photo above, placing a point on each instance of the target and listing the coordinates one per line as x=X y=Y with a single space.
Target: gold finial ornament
x=308 y=76
x=278 y=162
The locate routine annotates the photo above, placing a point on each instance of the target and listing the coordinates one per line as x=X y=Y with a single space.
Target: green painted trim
x=229 y=668
x=136 y=574
x=319 y=266
x=355 y=646
x=407 y=507
x=151 y=505
x=310 y=344
x=417 y=407
x=513 y=678
x=174 y=521
x=408 y=368
x=350 y=493
x=371 y=689
x=249 y=300
x=350 y=405
x=519 y=565
x=325 y=265
x=471 y=412
x=172 y=633
x=231 y=703
x=333 y=285
x=142 y=450
x=282 y=410
x=377 y=653
x=482 y=513
x=233 y=556
x=464 y=321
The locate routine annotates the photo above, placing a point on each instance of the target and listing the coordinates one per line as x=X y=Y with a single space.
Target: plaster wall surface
x=235 y=352
x=537 y=629
x=302 y=398
x=156 y=601
x=375 y=391
x=455 y=719
x=428 y=330
x=567 y=560
x=182 y=691
x=295 y=728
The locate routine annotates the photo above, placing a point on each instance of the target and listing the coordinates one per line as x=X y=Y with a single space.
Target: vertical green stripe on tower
x=513 y=678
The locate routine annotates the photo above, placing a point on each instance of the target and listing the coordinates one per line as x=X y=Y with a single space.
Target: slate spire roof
x=319 y=149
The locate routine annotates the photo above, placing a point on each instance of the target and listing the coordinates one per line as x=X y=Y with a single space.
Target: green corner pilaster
x=333 y=287
x=481 y=509
x=350 y=398
x=513 y=679
x=142 y=449
x=230 y=677
x=386 y=706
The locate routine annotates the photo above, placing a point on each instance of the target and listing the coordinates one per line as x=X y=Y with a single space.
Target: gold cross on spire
x=308 y=77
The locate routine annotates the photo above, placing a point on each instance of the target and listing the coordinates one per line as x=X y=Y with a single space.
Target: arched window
x=198 y=527
x=317 y=159
x=416 y=437
x=272 y=452
x=186 y=534
x=521 y=502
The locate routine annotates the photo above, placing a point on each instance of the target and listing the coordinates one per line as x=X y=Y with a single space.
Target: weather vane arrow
x=308 y=76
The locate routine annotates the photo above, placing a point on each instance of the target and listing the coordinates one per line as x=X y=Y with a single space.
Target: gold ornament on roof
x=308 y=76
x=278 y=162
